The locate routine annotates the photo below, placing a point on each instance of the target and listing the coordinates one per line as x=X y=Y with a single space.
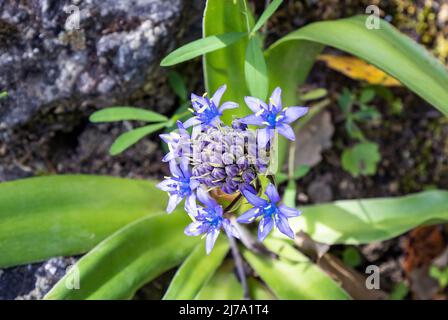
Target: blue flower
x=272 y=116
x=271 y=214
x=179 y=186
x=208 y=220
x=178 y=143
x=206 y=111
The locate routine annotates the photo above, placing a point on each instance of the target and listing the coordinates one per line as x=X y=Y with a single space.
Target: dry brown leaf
x=358 y=69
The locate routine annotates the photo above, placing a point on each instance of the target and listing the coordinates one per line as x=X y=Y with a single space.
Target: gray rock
x=48 y=58
x=33 y=281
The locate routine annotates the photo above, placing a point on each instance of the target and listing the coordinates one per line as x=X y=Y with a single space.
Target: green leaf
x=367 y=95
x=130 y=138
x=177 y=83
x=225 y=286
x=289 y=64
x=289 y=196
x=187 y=282
x=293 y=275
x=255 y=69
x=362 y=159
x=314 y=94
x=126 y=113
x=351 y=257
x=202 y=46
x=222 y=286
x=67 y=215
x=226 y=66
x=301 y=171
x=345 y=100
x=368 y=220
x=3 y=94
x=386 y=48
x=129 y=258
x=399 y=292
x=273 y=6
x=441 y=275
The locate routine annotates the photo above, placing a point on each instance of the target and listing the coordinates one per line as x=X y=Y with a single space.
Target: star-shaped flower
x=208 y=220
x=178 y=143
x=272 y=116
x=179 y=186
x=206 y=111
x=270 y=212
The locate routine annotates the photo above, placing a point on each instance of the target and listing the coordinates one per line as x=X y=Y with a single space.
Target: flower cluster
x=231 y=159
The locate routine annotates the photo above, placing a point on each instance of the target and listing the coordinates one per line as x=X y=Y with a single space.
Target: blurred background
x=57 y=70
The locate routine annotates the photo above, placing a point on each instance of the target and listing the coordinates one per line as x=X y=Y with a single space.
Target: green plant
x=440 y=274
x=121 y=224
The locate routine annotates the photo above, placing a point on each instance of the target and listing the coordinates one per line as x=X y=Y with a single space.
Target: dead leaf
x=358 y=69
x=350 y=280
x=421 y=247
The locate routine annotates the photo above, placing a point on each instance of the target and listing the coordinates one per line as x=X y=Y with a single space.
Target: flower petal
x=193 y=121
x=253 y=199
x=252 y=119
x=198 y=102
x=276 y=99
x=286 y=131
x=249 y=216
x=282 y=224
x=272 y=193
x=166 y=185
x=289 y=212
x=173 y=202
x=190 y=202
x=174 y=169
x=210 y=240
x=294 y=113
x=264 y=136
x=228 y=105
x=204 y=197
x=230 y=229
x=265 y=226
x=255 y=104
x=169 y=156
x=218 y=94
x=196 y=228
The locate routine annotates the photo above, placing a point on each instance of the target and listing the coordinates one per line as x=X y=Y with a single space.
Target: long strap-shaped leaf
x=65 y=215
x=197 y=269
x=386 y=48
x=293 y=276
x=129 y=258
x=226 y=66
x=367 y=220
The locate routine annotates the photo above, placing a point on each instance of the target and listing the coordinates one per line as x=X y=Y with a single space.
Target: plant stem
x=239 y=264
x=246 y=14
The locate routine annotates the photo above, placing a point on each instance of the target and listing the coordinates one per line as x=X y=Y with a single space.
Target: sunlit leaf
x=126 y=113
x=226 y=66
x=293 y=276
x=368 y=220
x=273 y=6
x=130 y=138
x=67 y=215
x=255 y=69
x=386 y=48
x=187 y=282
x=202 y=46
x=129 y=258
